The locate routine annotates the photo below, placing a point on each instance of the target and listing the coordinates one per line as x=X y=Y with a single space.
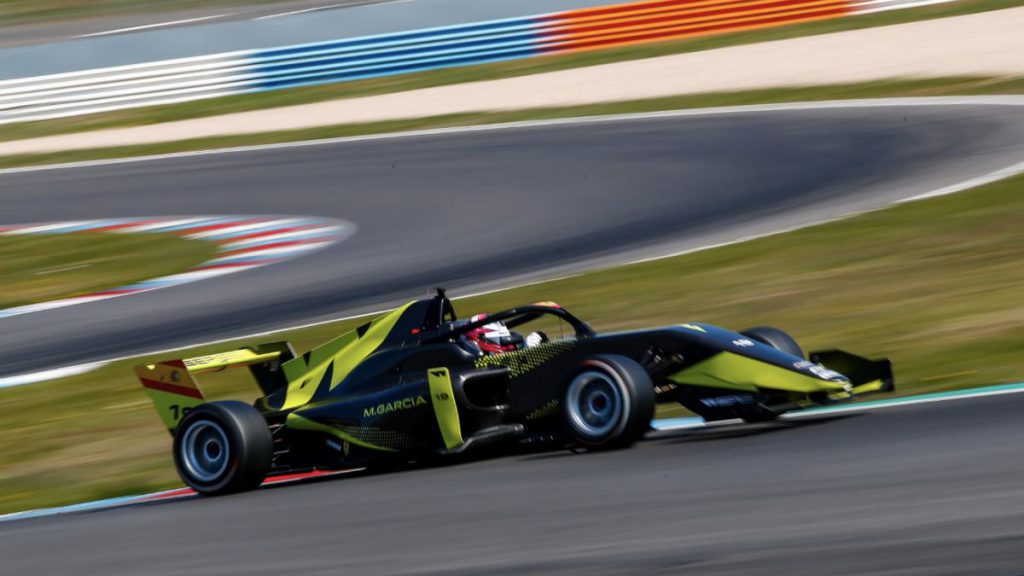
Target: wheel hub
x=594 y=404
x=205 y=451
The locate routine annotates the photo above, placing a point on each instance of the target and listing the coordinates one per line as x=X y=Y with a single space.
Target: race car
x=415 y=383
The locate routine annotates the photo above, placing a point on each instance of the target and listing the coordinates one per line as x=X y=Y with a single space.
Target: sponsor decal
x=743 y=343
x=546 y=410
x=403 y=404
x=819 y=371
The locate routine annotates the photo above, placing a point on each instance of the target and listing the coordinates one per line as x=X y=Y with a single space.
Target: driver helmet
x=495 y=337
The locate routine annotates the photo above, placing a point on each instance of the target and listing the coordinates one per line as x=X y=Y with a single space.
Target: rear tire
x=775 y=338
x=223 y=447
x=608 y=403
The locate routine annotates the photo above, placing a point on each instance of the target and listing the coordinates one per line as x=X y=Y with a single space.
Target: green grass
x=18 y=12
x=935 y=285
x=39 y=268
x=880 y=89
x=305 y=95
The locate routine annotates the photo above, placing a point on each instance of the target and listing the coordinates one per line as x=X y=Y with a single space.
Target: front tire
x=775 y=338
x=223 y=447
x=609 y=403
x=780 y=340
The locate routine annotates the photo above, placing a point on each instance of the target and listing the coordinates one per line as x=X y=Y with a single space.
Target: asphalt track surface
x=51 y=31
x=480 y=209
x=929 y=489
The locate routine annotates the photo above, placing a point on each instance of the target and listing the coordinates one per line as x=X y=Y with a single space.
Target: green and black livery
x=405 y=386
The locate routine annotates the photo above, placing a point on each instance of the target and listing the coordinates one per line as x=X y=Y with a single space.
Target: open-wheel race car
x=419 y=382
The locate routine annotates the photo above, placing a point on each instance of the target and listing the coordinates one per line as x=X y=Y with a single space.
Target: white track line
x=148 y=26
x=692 y=422
x=908 y=401
x=972 y=183
x=527 y=124
x=46 y=375
x=347 y=5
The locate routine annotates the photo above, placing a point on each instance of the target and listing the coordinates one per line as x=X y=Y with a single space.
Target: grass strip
x=879 y=89
x=39 y=268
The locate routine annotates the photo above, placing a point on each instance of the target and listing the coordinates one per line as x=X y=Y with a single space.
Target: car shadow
x=740 y=430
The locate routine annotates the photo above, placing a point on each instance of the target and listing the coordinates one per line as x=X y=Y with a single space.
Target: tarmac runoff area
x=984 y=44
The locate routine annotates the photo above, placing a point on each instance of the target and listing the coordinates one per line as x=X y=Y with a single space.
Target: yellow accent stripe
x=735 y=372
x=354 y=355
x=297 y=422
x=341 y=355
x=301 y=391
x=242 y=357
x=172 y=407
x=873 y=386
x=447 y=413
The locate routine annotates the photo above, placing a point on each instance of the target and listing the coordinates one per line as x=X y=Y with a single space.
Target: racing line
x=929 y=488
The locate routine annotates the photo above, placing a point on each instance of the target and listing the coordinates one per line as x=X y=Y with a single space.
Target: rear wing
x=172 y=386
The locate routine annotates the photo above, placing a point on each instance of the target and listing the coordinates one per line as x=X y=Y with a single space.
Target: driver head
x=495 y=337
